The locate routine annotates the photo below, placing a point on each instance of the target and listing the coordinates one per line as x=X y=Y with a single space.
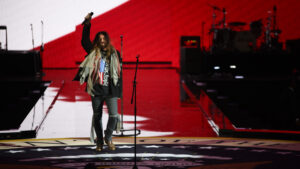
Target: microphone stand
x=122 y=103
x=4 y=28
x=122 y=130
x=134 y=97
x=32 y=36
x=42 y=36
x=40 y=61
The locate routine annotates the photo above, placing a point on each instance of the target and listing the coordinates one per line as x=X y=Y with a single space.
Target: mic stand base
x=122 y=131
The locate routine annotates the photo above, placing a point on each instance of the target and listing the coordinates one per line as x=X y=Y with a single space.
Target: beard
x=103 y=46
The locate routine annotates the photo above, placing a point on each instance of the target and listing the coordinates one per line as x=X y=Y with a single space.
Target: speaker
x=190 y=41
x=191 y=57
x=191 y=61
x=293 y=48
x=20 y=63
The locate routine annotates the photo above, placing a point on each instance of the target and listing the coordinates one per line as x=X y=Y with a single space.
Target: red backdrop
x=152 y=28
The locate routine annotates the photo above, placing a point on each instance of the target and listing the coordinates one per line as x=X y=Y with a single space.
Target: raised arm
x=85 y=39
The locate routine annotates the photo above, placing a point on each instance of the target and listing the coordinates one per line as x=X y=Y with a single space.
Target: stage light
x=232 y=66
x=216 y=67
x=201 y=84
x=239 y=77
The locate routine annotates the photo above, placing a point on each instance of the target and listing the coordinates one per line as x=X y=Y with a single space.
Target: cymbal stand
x=275 y=30
x=274 y=17
x=224 y=18
x=268 y=31
x=202 y=39
x=213 y=28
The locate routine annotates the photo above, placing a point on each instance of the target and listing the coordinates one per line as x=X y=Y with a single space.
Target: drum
x=256 y=28
x=223 y=39
x=244 y=41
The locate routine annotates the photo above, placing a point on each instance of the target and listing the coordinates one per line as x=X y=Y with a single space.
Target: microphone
x=86 y=20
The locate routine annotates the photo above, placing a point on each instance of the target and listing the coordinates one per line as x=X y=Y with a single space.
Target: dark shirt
x=103 y=89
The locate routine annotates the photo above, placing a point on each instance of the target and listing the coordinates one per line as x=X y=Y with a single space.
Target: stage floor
x=66 y=111
x=152 y=152
x=173 y=134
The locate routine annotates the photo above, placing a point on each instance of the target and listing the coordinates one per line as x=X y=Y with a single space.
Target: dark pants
x=112 y=106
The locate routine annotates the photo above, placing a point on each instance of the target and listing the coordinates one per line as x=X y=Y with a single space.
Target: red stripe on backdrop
x=152 y=28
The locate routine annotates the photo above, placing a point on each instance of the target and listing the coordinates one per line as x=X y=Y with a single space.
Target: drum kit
x=235 y=37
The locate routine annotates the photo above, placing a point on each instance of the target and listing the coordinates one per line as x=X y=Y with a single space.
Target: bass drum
x=244 y=41
x=223 y=39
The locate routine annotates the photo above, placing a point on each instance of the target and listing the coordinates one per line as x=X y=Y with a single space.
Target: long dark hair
x=97 y=47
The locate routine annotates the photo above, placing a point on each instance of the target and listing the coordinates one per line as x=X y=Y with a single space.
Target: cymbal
x=215 y=7
x=236 y=23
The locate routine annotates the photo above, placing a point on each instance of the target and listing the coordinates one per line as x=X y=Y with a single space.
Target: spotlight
x=239 y=77
x=232 y=66
x=217 y=67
